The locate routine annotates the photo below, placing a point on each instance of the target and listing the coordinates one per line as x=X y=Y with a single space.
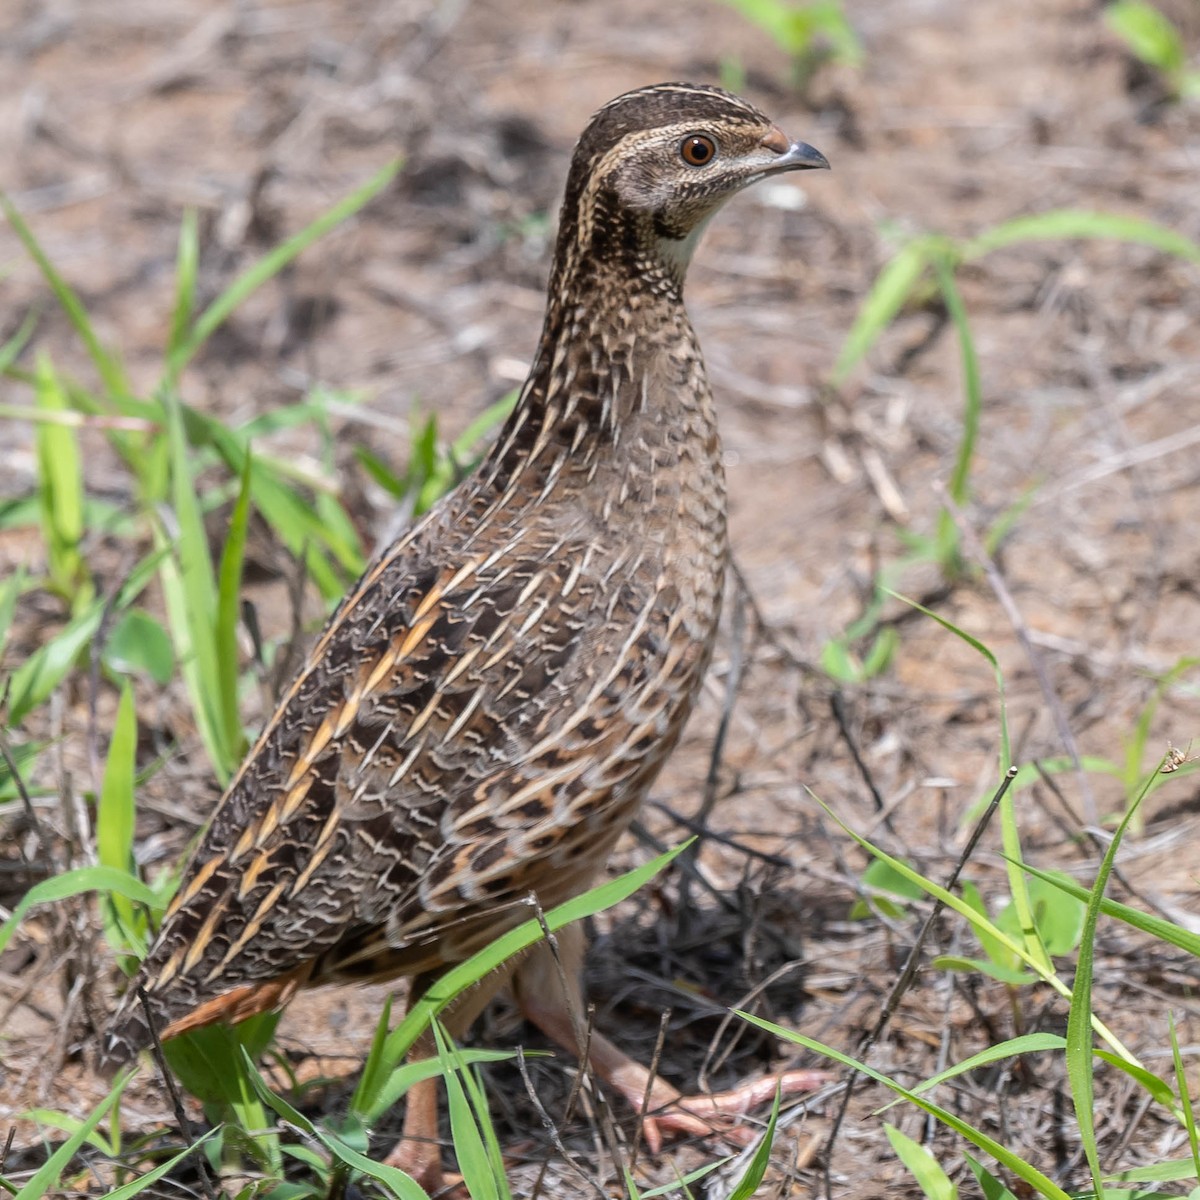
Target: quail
x=482 y=716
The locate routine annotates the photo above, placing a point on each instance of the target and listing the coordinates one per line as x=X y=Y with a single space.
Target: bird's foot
x=716 y=1114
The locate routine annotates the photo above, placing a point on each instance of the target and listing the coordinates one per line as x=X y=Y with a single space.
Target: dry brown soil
x=116 y=118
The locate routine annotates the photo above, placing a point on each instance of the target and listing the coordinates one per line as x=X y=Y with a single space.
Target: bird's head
x=655 y=164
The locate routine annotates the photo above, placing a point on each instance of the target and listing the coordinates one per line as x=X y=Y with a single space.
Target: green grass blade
x=33 y=681
x=474 y=1163
x=104 y=880
x=1029 y=1043
x=270 y=265
x=892 y=287
x=972 y=403
x=1185 y=1099
x=473 y=1086
x=10 y=589
x=1079 y=1017
x=989 y=1185
x=229 y=591
x=116 y=812
x=396 y=1181
x=190 y=593
x=978 y=646
x=756 y=1170
x=60 y=491
x=291 y=516
x=366 y=1105
x=1009 y=1160
x=977 y=920
x=68 y=1124
x=1157 y=927
x=683 y=1181
x=1149 y=35
x=137 y=1186
x=106 y=363
x=1069 y=223
x=45 y=1180
x=11 y=350
x=924 y=1168
x=186 y=268
x=410 y=1073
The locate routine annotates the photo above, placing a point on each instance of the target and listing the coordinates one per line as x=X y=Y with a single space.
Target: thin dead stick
x=714 y=1060
x=185 y=1126
x=552 y=1132
x=644 y=1108
x=837 y=706
x=1000 y=588
x=724 y=839
x=582 y=1024
x=909 y=971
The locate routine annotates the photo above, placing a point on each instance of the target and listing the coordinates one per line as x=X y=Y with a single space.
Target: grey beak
x=800 y=156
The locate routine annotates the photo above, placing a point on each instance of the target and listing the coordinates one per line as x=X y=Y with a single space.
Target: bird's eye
x=697 y=150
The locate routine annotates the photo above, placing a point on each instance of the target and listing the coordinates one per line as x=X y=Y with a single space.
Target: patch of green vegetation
x=811 y=34
x=1153 y=39
x=923 y=270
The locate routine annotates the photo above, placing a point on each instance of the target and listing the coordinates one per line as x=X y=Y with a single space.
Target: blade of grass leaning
x=410 y=1073
x=979 y=921
x=1002 y=1154
x=60 y=491
x=136 y=1186
x=374 y=1070
x=683 y=1182
x=1070 y=223
x=1009 y=831
x=474 y=1162
x=1171 y=1171
x=190 y=594
x=187 y=262
x=445 y=472
x=33 y=681
x=1028 y=1043
x=1149 y=35
x=396 y=1181
x=45 y=1180
x=923 y=1167
x=10 y=589
x=366 y=1105
x=1157 y=927
x=104 y=880
x=989 y=1185
x=289 y=515
x=106 y=363
x=1080 y=1067
x=270 y=265
x=947 y=535
x=1185 y=1098
x=115 y=814
x=68 y=1124
x=756 y=1169
x=473 y=1086
x=892 y=287
x=229 y=592
x=11 y=350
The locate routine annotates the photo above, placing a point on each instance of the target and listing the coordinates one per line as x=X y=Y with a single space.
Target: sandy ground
x=115 y=119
